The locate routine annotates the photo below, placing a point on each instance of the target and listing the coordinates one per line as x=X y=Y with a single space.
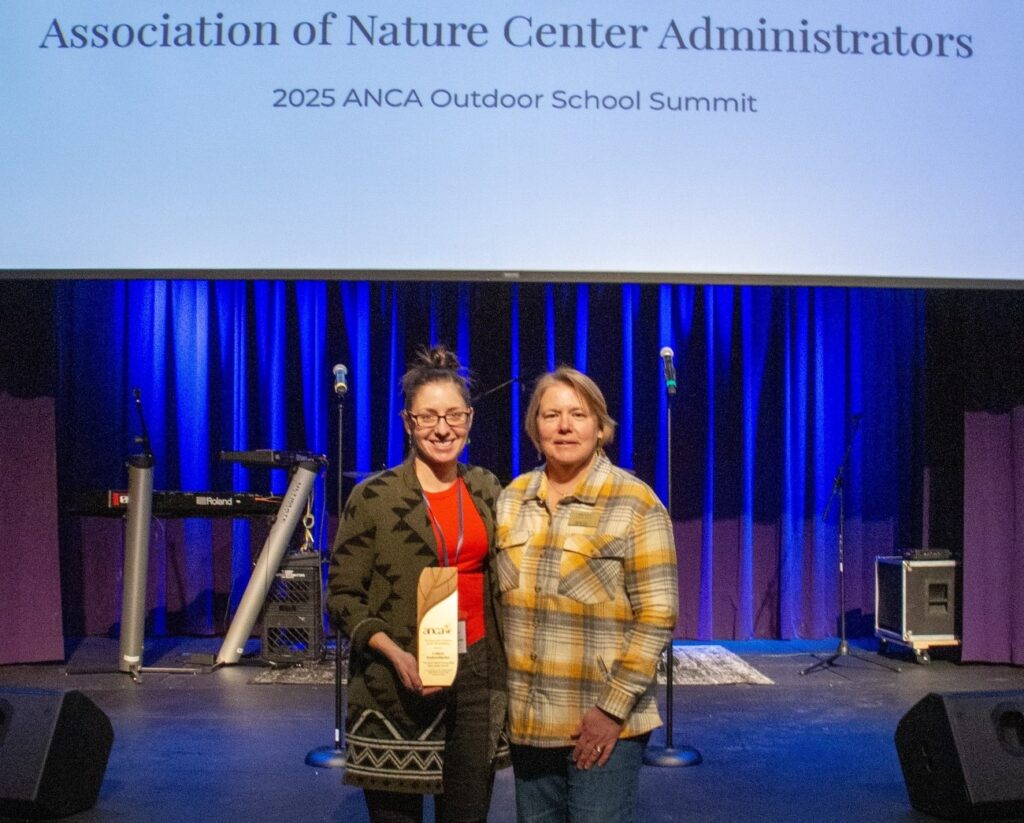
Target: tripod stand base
x=833 y=660
x=671 y=757
x=327 y=757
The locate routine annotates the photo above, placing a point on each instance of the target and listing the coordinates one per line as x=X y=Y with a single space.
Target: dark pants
x=468 y=774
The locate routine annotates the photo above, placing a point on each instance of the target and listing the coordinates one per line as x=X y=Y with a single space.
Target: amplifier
x=293 y=623
x=916 y=603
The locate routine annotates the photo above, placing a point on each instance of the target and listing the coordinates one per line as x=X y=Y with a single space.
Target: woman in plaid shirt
x=587 y=571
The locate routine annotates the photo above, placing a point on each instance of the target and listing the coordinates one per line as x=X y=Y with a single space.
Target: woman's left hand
x=595 y=738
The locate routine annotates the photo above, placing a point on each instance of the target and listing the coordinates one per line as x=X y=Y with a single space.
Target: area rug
x=694 y=666
x=710 y=666
x=306 y=673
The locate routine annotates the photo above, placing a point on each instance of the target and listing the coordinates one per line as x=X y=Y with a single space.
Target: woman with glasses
x=587 y=571
x=406 y=739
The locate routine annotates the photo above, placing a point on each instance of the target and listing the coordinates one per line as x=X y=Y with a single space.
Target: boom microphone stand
x=669 y=754
x=493 y=389
x=843 y=650
x=334 y=757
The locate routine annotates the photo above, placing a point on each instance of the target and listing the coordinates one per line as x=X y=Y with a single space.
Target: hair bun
x=438 y=357
x=436 y=364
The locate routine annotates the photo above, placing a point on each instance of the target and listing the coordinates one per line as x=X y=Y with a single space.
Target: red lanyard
x=440 y=531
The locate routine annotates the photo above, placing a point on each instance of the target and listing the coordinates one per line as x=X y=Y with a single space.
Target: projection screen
x=787 y=139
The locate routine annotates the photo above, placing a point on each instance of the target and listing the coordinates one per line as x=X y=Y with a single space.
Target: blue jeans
x=550 y=789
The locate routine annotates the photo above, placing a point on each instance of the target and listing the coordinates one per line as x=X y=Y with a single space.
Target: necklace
x=566 y=490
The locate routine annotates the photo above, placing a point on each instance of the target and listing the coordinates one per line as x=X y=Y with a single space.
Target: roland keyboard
x=182 y=504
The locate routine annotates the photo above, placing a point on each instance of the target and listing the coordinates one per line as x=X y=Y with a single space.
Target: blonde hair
x=588 y=392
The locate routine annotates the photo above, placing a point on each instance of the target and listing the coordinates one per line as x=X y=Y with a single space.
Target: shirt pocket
x=591 y=570
x=511 y=547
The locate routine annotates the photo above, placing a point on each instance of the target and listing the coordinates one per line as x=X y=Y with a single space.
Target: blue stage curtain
x=776 y=386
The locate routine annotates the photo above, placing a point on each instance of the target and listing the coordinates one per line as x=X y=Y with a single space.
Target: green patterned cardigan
x=385 y=539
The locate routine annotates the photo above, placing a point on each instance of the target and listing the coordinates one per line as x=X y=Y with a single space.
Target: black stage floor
x=212 y=746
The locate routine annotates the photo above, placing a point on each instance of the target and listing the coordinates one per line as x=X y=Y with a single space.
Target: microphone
x=340 y=380
x=670 y=370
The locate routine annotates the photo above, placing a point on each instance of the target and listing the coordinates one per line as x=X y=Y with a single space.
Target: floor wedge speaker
x=53 y=752
x=962 y=755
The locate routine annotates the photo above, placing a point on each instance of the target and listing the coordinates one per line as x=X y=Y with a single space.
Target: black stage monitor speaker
x=962 y=755
x=53 y=752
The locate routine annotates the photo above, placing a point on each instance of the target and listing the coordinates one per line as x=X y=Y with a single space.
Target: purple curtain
x=30 y=615
x=993 y=563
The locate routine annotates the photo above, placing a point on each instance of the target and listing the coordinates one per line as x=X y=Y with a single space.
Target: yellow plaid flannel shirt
x=589 y=596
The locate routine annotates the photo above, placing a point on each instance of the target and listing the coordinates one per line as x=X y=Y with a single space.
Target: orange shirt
x=443 y=512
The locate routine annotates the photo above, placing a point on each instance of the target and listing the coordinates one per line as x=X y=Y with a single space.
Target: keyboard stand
x=292 y=508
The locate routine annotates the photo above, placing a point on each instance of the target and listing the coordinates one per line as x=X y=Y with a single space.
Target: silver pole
x=274 y=548
x=136 y=563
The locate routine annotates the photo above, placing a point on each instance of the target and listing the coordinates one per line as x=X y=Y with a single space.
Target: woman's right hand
x=404 y=664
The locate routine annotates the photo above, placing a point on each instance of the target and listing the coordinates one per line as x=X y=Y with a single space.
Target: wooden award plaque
x=437 y=621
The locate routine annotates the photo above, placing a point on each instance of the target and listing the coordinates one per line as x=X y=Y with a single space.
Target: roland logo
x=207 y=500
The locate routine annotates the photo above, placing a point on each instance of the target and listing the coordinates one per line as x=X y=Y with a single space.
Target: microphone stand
x=493 y=389
x=334 y=756
x=669 y=754
x=843 y=650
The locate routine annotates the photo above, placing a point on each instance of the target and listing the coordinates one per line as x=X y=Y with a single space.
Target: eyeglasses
x=427 y=420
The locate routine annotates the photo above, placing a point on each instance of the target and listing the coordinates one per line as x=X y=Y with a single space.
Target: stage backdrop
x=777 y=388
x=30 y=620
x=994 y=536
